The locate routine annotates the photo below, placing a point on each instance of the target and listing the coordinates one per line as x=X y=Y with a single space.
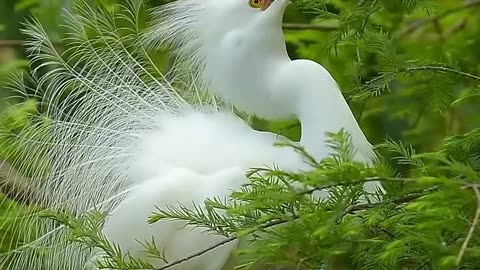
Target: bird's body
x=207 y=157
x=128 y=151
x=258 y=77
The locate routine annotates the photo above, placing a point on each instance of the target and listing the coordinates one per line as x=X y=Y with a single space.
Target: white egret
x=136 y=140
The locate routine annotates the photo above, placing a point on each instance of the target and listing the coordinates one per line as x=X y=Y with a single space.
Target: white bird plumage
x=239 y=53
x=135 y=140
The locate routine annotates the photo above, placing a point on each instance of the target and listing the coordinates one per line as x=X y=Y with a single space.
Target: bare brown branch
x=12 y=185
x=11 y=43
x=19 y=44
x=287 y=26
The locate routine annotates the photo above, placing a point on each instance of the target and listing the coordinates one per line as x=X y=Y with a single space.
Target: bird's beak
x=266 y=4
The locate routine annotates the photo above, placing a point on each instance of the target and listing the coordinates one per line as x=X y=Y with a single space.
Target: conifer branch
x=307 y=26
x=273 y=223
x=198 y=254
x=363 y=181
x=443 y=69
x=415 y=25
x=386 y=77
x=472 y=228
x=400 y=200
x=223 y=242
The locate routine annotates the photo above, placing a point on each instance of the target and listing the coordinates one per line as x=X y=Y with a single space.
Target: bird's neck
x=239 y=65
x=271 y=42
x=327 y=111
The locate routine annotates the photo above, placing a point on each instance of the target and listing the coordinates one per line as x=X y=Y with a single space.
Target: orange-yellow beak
x=266 y=4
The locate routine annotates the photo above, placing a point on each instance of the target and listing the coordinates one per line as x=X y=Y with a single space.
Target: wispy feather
x=99 y=95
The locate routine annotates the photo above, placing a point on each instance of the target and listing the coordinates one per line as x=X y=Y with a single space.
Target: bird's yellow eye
x=256 y=3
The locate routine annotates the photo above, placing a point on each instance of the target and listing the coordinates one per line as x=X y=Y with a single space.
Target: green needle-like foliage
x=409 y=69
x=423 y=220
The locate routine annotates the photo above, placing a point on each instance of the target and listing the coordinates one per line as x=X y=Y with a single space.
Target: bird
x=126 y=138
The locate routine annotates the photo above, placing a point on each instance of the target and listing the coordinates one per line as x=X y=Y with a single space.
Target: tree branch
x=400 y=200
x=306 y=26
x=286 y=26
x=363 y=181
x=443 y=69
x=422 y=68
x=19 y=43
x=11 y=43
x=197 y=254
x=417 y=24
x=472 y=228
x=12 y=185
x=273 y=223
x=224 y=242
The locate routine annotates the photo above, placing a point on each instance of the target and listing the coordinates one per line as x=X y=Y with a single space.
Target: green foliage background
x=410 y=71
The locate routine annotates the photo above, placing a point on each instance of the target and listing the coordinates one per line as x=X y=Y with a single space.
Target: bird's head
x=187 y=22
x=193 y=28
x=228 y=15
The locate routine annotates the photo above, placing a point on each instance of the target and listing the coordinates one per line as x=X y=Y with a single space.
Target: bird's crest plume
x=178 y=26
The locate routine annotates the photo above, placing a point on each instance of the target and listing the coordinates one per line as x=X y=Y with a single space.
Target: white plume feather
x=100 y=95
x=178 y=25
